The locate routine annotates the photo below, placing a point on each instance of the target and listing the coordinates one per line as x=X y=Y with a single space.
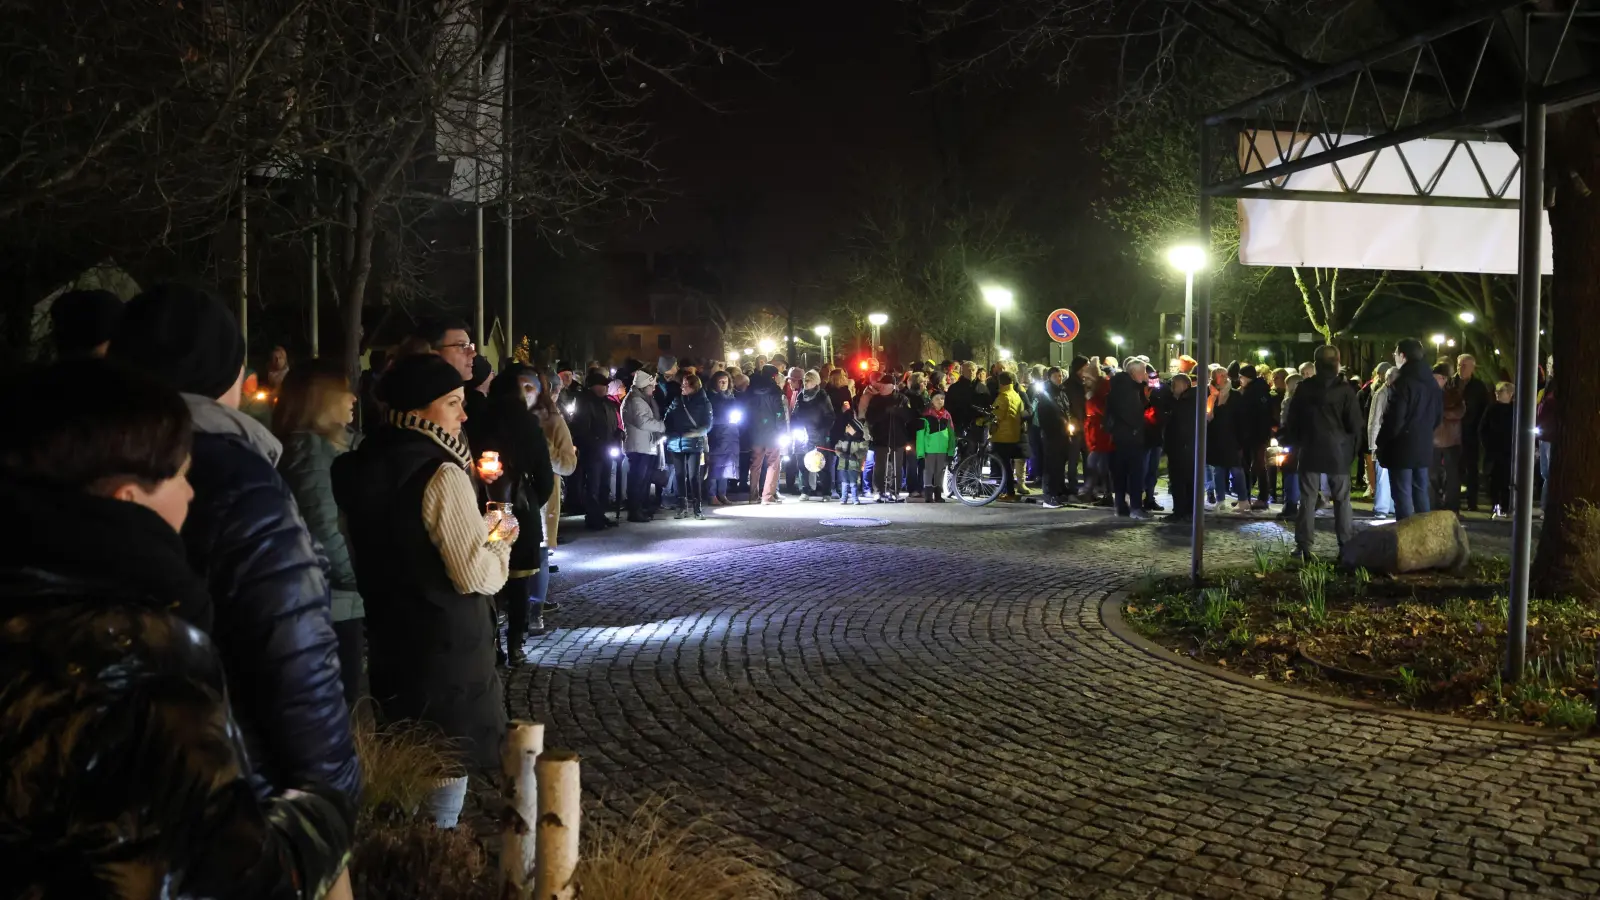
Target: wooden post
x=524 y=742
x=559 y=804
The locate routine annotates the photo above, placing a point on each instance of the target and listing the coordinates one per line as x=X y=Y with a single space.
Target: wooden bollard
x=560 y=801
x=523 y=744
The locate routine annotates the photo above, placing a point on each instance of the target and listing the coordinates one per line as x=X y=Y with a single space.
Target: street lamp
x=1004 y=352
x=1116 y=341
x=877 y=321
x=1188 y=259
x=1467 y=318
x=1438 y=341
x=823 y=332
x=1263 y=353
x=767 y=345
x=1001 y=299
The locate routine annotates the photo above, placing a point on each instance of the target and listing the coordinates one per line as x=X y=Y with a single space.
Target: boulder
x=1432 y=540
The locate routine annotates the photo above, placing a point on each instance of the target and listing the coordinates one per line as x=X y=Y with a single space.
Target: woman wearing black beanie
x=427 y=564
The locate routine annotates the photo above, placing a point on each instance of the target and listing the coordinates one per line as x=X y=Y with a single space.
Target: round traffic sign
x=1063 y=326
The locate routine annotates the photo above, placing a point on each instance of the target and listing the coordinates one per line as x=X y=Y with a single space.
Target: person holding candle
x=312 y=417
x=425 y=563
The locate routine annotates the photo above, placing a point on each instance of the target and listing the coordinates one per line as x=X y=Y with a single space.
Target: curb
x=1111 y=618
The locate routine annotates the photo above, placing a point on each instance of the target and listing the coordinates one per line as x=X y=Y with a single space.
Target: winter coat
x=1415 y=409
x=885 y=416
x=1097 y=437
x=1478 y=398
x=1125 y=405
x=1050 y=416
x=839 y=396
x=814 y=411
x=1007 y=416
x=642 y=422
x=1222 y=433
x=1449 y=432
x=1177 y=433
x=430 y=648
x=1548 y=417
x=527 y=479
x=725 y=428
x=563 y=462
x=1497 y=432
x=1324 y=424
x=1157 y=402
x=306 y=466
x=937 y=435
x=594 y=422
x=117 y=734
x=1253 y=413
x=765 y=416
x=964 y=398
x=689 y=420
x=1380 y=402
x=273 y=625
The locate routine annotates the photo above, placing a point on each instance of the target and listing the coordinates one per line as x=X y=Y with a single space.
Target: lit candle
x=489 y=463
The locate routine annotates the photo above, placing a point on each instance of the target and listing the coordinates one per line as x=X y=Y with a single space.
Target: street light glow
x=1116 y=340
x=749 y=350
x=1438 y=339
x=1467 y=318
x=1004 y=353
x=997 y=296
x=879 y=319
x=733 y=355
x=1187 y=258
x=767 y=345
x=1177 y=337
x=1263 y=353
x=822 y=330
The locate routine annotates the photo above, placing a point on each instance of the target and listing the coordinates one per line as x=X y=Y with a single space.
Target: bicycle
x=977 y=474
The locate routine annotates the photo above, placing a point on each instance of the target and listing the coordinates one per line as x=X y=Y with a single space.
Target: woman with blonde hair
x=312 y=418
x=1224 y=451
x=563 y=453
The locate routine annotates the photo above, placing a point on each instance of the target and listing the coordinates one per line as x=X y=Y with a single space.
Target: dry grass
x=1583 y=520
x=646 y=858
x=401 y=764
x=412 y=860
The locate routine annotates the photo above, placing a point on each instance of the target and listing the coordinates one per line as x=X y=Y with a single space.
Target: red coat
x=1095 y=436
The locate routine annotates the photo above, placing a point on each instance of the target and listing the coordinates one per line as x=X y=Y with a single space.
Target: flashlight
x=736 y=416
x=798 y=436
x=572 y=407
x=615 y=453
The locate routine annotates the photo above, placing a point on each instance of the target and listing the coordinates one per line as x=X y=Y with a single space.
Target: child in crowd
x=850 y=442
x=936 y=441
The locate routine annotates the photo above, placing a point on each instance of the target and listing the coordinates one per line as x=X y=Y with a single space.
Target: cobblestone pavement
x=924 y=711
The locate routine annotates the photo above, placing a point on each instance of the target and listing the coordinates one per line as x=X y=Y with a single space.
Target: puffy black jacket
x=1177 y=432
x=1125 y=407
x=1416 y=407
x=1253 y=415
x=814 y=411
x=594 y=421
x=1050 y=415
x=273 y=628
x=726 y=425
x=116 y=735
x=765 y=414
x=526 y=480
x=1324 y=423
x=962 y=399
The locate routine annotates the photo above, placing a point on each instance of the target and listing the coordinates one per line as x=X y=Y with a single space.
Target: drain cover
x=856 y=522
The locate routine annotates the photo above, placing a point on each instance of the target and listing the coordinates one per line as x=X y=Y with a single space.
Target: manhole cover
x=856 y=522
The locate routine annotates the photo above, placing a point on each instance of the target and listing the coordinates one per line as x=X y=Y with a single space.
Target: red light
x=863 y=365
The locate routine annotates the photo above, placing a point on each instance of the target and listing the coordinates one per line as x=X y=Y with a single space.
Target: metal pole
x=1187 y=347
x=1529 y=270
x=995 y=351
x=1202 y=355
x=316 y=324
x=510 y=335
x=478 y=333
x=244 y=260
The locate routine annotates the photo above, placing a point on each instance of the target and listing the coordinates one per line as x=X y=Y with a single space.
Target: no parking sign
x=1063 y=326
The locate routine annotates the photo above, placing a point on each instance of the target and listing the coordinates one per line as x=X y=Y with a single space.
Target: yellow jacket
x=1007 y=417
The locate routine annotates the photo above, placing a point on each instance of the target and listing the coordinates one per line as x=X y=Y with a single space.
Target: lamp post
x=1188 y=259
x=1001 y=299
x=823 y=332
x=1467 y=318
x=1117 y=341
x=1438 y=346
x=877 y=320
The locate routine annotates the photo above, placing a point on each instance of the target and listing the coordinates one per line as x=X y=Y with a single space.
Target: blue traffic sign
x=1063 y=326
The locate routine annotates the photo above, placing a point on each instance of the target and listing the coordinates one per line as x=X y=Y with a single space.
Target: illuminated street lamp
x=767 y=345
x=1004 y=352
x=1467 y=318
x=824 y=332
x=1116 y=341
x=1188 y=259
x=877 y=321
x=1001 y=299
x=1438 y=342
x=1263 y=353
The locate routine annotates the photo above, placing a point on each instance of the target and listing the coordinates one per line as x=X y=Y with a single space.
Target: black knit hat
x=184 y=336
x=83 y=320
x=595 y=378
x=417 y=381
x=1248 y=370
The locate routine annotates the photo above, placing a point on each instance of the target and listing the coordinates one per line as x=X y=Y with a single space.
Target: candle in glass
x=489 y=463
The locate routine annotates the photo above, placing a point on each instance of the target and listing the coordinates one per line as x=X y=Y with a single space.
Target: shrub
x=647 y=859
x=409 y=859
x=401 y=763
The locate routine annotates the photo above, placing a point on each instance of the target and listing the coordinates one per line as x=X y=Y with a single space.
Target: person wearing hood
x=722 y=451
x=596 y=435
x=688 y=421
x=643 y=432
x=123 y=759
x=526 y=482
x=1405 y=439
x=813 y=413
x=273 y=623
x=1324 y=424
x=1177 y=439
x=1378 y=478
x=767 y=424
x=427 y=562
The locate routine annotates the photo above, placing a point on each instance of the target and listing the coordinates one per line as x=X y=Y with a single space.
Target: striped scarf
x=413 y=422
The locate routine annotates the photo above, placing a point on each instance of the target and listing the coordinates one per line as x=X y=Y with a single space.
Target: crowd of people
x=207 y=587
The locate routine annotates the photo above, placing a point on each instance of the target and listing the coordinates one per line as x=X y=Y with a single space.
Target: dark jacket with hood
x=430 y=648
x=527 y=479
x=1324 y=423
x=117 y=734
x=766 y=413
x=1416 y=407
x=273 y=624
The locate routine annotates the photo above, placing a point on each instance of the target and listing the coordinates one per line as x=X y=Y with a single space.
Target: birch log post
x=556 y=860
x=523 y=744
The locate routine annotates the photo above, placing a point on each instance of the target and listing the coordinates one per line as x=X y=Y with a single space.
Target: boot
x=1020 y=477
x=927 y=495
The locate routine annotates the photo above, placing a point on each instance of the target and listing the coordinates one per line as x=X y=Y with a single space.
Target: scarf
x=413 y=422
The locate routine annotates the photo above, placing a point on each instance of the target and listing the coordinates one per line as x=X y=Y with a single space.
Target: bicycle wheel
x=979 y=478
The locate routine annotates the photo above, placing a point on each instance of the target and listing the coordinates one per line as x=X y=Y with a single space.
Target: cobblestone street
x=934 y=709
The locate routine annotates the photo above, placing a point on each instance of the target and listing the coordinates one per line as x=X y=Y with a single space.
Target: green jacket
x=305 y=466
x=941 y=441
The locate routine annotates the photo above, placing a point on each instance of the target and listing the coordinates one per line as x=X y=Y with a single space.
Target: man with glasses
x=452 y=341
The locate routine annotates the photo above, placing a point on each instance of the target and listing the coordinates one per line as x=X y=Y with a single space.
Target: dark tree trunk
x=1574 y=146
x=356 y=285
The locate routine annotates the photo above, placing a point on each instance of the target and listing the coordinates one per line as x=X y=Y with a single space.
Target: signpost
x=1062 y=326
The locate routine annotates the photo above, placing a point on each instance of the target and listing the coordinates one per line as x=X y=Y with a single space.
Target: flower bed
x=1432 y=642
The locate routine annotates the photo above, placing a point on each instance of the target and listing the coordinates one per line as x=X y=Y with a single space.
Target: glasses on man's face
x=463 y=346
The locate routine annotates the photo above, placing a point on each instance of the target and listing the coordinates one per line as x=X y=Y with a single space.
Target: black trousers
x=352 y=635
x=1180 y=480
x=1500 y=484
x=523 y=598
x=1446 y=480
x=594 y=471
x=1053 y=468
x=1471 y=453
x=1074 y=456
x=641 y=474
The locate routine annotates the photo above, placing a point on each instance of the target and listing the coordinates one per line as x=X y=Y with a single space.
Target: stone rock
x=1434 y=540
